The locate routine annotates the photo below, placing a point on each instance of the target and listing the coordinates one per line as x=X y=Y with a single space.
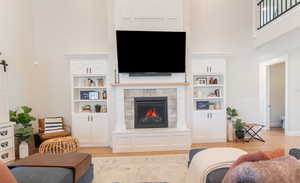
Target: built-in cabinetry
x=209 y=99
x=7 y=152
x=89 y=92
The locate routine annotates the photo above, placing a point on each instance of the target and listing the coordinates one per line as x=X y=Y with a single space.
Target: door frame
x=264 y=77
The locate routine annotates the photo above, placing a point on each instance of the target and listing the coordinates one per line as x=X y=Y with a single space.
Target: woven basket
x=59 y=145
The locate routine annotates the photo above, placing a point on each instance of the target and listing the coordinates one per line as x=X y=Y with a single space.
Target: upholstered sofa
x=218 y=175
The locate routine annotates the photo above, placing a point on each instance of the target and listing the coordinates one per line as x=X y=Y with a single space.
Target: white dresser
x=7 y=152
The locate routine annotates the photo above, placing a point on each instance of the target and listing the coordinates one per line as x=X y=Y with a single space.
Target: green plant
x=231 y=113
x=24 y=129
x=238 y=124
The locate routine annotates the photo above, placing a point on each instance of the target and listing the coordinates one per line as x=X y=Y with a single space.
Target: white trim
x=87 y=55
x=292 y=133
x=223 y=55
x=264 y=89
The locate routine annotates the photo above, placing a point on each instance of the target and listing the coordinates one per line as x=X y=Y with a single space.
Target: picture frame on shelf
x=93 y=95
x=84 y=95
x=202 y=105
x=201 y=81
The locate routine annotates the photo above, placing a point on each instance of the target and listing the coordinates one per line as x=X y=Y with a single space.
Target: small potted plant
x=97 y=108
x=24 y=129
x=239 y=128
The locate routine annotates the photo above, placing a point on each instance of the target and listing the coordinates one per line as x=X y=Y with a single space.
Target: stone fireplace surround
x=127 y=139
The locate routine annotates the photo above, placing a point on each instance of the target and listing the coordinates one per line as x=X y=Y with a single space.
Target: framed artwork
x=202 y=105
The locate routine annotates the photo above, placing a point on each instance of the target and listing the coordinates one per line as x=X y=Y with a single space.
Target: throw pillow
x=53 y=125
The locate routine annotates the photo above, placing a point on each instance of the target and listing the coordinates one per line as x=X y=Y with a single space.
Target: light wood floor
x=274 y=139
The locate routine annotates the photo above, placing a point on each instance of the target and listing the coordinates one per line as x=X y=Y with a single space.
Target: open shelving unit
x=89 y=91
x=208 y=92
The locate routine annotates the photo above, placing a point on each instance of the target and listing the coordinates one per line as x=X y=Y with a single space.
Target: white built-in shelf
x=209 y=98
x=207 y=86
x=90 y=100
x=83 y=87
x=87 y=75
x=151 y=84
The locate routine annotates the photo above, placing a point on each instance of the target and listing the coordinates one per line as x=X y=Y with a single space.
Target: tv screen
x=151 y=52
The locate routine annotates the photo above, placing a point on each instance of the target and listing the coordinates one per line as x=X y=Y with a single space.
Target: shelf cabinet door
x=210 y=66
x=216 y=66
x=81 y=129
x=100 y=130
x=79 y=68
x=98 y=67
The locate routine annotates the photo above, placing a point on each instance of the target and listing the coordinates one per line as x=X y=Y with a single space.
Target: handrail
x=270 y=10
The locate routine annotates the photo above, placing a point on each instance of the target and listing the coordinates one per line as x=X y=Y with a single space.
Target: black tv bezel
x=136 y=74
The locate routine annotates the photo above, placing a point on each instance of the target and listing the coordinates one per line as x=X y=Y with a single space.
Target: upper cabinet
x=89 y=67
x=208 y=66
x=148 y=15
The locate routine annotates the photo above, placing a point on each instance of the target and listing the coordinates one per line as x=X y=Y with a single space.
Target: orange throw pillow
x=5 y=175
x=275 y=153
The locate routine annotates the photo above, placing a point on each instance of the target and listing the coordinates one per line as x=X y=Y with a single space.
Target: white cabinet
x=89 y=99
x=209 y=99
x=91 y=129
x=88 y=67
x=208 y=66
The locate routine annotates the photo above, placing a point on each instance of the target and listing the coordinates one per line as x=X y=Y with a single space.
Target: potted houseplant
x=97 y=108
x=232 y=114
x=239 y=128
x=24 y=129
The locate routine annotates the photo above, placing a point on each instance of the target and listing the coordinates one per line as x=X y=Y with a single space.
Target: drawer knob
x=4 y=133
x=4 y=156
x=4 y=144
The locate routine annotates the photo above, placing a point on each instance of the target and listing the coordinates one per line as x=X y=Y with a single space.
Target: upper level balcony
x=275 y=18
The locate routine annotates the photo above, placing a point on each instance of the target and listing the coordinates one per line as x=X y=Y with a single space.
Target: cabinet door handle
x=207 y=69
x=210 y=69
x=4 y=144
x=4 y=156
x=88 y=118
x=87 y=70
x=90 y=70
x=4 y=133
x=3 y=62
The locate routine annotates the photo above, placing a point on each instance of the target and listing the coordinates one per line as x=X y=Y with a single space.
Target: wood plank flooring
x=274 y=139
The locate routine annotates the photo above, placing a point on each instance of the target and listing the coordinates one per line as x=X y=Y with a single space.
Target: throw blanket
x=209 y=160
x=280 y=170
x=78 y=162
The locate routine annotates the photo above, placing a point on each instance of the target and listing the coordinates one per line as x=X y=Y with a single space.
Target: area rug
x=141 y=169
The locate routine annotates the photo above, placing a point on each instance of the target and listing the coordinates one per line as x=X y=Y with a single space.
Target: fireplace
x=150 y=112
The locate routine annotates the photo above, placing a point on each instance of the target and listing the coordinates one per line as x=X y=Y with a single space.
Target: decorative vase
x=98 y=108
x=240 y=134
x=23 y=150
x=230 y=131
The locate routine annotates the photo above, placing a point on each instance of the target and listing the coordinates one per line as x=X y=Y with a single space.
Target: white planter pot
x=23 y=150
x=230 y=131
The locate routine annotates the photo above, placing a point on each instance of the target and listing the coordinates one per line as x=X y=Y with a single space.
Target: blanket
x=78 y=162
x=285 y=169
x=209 y=160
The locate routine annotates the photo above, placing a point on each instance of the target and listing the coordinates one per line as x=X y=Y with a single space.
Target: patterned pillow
x=53 y=125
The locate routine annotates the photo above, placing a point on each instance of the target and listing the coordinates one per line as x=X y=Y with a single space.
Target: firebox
x=151 y=112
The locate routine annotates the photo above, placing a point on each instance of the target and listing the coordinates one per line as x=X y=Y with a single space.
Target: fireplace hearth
x=151 y=112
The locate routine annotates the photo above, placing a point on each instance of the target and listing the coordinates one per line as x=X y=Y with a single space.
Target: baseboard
x=292 y=133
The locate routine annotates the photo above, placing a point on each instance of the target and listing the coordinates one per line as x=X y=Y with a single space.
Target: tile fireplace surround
x=130 y=94
x=125 y=138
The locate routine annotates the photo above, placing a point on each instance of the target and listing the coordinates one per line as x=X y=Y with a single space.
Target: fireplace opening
x=151 y=112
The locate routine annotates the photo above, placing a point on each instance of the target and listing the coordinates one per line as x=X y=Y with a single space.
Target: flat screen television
x=151 y=52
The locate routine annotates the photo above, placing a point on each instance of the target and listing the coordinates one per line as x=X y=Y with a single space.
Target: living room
x=140 y=83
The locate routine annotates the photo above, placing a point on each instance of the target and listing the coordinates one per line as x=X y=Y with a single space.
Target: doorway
x=273 y=93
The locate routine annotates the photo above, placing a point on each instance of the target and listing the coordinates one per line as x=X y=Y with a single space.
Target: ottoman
x=59 y=145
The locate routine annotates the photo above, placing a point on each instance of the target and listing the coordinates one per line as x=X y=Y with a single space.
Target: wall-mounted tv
x=151 y=52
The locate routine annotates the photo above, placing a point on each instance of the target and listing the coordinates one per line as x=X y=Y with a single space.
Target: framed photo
x=202 y=105
x=84 y=95
x=93 y=95
x=202 y=81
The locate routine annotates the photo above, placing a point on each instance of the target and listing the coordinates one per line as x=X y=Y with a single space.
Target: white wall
x=16 y=46
x=60 y=27
x=277 y=94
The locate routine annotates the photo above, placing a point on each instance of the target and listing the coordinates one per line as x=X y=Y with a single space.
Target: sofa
x=217 y=175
